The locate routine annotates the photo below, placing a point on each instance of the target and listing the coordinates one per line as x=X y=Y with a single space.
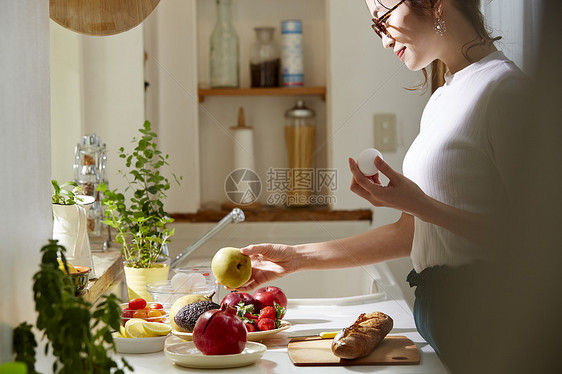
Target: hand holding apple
x=231 y=268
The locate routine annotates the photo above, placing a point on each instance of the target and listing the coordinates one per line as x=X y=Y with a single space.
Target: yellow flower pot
x=138 y=278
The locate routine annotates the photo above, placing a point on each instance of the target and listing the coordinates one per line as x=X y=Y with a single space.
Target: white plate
x=255 y=336
x=187 y=355
x=140 y=345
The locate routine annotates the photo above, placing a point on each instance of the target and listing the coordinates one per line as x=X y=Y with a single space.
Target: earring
x=440 y=26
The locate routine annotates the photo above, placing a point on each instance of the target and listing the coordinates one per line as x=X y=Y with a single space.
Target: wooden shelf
x=275 y=214
x=270 y=91
x=109 y=269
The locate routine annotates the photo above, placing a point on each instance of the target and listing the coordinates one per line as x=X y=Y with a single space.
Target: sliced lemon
x=157 y=328
x=134 y=328
x=123 y=332
x=117 y=334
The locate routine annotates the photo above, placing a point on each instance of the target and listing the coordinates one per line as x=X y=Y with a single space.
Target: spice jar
x=300 y=128
x=265 y=60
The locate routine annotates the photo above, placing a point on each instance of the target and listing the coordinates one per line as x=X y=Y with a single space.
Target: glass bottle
x=300 y=126
x=224 y=55
x=265 y=59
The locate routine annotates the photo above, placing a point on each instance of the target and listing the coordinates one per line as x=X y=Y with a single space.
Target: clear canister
x=300 y=130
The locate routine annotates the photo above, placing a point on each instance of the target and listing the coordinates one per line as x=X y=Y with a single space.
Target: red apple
x=220 y=332
x=233 y=298
x=266 y=296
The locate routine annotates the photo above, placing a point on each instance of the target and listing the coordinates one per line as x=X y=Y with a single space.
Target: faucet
x=236 y=216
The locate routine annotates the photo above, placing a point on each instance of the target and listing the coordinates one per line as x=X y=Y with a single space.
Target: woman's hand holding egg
x=400 y=192
x=366 y=161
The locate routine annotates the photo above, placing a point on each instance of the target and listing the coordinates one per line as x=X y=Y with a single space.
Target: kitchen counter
x=310 y=317
x=279 y=214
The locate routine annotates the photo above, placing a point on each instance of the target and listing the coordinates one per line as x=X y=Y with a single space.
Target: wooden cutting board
x=313 y=351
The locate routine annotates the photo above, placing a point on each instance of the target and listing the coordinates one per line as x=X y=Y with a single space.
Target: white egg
x=366 y=161
x=198 y=281
x=181 y=282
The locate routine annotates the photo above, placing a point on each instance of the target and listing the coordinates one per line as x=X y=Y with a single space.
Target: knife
x=321 y=335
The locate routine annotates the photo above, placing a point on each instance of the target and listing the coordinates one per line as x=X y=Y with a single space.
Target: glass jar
x=300 y=128
x=265 y=59
x=224 y=55
x=89 y=172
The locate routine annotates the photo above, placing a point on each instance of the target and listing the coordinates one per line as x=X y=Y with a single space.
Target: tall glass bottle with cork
x=224 y=54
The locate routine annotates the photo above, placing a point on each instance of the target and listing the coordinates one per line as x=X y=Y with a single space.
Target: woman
x=456 y=178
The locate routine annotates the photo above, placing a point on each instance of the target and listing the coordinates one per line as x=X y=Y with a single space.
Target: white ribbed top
x=458 y=155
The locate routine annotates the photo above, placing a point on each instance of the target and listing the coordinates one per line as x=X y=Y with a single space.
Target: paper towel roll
x=243 y=148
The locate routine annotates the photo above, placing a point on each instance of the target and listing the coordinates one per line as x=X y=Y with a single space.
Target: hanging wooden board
x=100 y=17
x=393 y=350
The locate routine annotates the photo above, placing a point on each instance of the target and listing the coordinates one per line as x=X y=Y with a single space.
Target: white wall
x=67 y=99
x=171 y=46
x=25 y=158
x=97 y=87
x=518 y=23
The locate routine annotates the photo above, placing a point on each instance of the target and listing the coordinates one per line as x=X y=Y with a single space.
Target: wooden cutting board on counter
x=314 y=351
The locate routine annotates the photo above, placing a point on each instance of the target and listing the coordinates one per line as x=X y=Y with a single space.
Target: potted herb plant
x=140 y=220
x=70 y=211
x=78 y=335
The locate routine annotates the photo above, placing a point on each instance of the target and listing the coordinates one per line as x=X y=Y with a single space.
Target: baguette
x=359 y=339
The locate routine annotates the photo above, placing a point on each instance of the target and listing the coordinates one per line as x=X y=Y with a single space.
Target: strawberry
x=251 y=316
x=268 y=312
x=250 y=327
x=265 y=324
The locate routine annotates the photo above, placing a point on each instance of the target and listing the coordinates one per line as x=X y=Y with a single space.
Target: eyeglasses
x=378 y=24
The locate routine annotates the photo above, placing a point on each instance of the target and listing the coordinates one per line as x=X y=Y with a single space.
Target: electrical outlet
x=385 y=132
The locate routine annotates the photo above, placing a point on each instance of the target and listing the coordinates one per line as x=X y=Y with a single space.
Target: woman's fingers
x=359 y=190
x=255 y=249
x=385 y=168
x=355 y=168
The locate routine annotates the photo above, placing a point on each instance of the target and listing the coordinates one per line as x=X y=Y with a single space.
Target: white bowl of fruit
x=144 y=327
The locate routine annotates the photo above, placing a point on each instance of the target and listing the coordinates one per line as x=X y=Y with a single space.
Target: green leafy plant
x=78 y=337
x=24 y=346
x=64 y=196
x=141 y=222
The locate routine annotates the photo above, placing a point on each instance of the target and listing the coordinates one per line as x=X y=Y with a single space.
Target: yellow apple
x=231 y=268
